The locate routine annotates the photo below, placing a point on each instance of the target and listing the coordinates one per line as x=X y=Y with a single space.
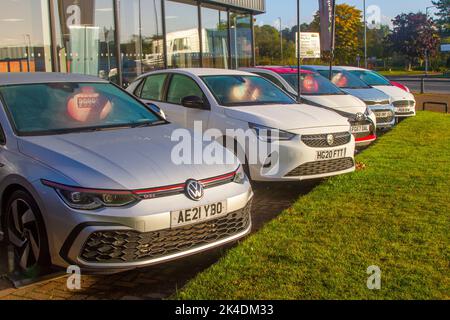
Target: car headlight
x=239 y=176
x=90 y=199
x=269 y=135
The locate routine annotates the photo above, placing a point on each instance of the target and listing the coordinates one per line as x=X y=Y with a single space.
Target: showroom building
x=87 y=36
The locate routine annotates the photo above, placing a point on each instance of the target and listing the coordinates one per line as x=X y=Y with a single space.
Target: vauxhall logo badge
x=194 y=190
x=330 y=139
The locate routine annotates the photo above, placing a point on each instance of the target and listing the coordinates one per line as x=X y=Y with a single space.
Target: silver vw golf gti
x=87 y=179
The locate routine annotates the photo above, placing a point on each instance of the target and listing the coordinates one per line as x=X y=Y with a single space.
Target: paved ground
x=160 y=282
x=432 y=85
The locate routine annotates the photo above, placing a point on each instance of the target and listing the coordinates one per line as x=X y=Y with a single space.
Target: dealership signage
x=76 y=13
x=309 y=45
x=326 y=11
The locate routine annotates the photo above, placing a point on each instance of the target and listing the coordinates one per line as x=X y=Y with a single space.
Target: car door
x=182 y=86
x=152 y=90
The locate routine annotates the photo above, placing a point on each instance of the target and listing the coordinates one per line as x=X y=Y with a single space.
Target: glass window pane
x=245 y=90
x=215 y=38
x=182 y=87
x=241 y=40
x=85 y=37
x=25 y=36
x=183 y=41
x=141 y=38
x=50 y=108
x=153 y=87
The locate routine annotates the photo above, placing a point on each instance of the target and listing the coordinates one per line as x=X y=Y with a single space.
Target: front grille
x=133 y=246
x=377 y=103
x=388 y=119
x=403 y=103
x=321 y=141
x=321 y=167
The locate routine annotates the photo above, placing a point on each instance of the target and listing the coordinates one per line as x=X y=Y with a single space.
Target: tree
x=348 y=31
x=268 y=48
x=414 y=36
x=443 y=13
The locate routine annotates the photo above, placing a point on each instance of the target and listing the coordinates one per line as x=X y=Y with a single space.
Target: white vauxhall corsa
x=404 y=102
x=310 y=142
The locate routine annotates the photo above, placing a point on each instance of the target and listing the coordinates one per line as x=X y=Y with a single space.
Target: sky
x=286 y=9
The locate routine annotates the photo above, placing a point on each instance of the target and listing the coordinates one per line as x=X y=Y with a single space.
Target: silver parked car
x=379 y=102
x=86 y=179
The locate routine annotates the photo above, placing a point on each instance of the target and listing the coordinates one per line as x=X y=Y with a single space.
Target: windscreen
x=345 y=80
x=37 y=109
x=312 y=84
x=243 y=90
x=371 y=78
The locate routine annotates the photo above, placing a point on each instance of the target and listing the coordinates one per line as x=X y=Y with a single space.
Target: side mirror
x=193 y=102
x=157 y=110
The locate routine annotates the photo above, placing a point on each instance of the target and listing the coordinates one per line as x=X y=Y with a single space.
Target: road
x=441 y=86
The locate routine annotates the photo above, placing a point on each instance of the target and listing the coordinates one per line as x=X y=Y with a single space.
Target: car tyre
x=25 y=231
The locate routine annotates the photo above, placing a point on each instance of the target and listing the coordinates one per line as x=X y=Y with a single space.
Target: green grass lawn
x=400 y=73
x=394 y=214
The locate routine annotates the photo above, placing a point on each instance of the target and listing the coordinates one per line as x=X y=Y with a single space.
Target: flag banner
x=75 y=13
x=326 y=11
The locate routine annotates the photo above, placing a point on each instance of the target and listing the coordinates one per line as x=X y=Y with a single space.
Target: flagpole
x=299 y=62
x=333 y=34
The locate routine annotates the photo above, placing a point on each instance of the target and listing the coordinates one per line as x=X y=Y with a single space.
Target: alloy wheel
x=23 y=233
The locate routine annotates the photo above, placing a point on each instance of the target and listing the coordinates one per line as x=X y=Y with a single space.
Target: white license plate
x=331 y=154
x=382 y=114
x=403 y=109
x=199 y=214
x=360 y=128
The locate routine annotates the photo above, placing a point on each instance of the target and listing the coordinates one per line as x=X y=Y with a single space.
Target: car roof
x=322 y=67
x=282 y=70
x=204 y=71
x=352 y=68
x=45 y=77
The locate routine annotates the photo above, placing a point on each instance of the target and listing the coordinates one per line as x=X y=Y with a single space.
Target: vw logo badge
x=330 y=139
x=194 y=190
x=360 y=117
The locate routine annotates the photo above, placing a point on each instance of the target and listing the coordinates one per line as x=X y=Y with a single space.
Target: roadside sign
x=445 y=47
x=309 y=45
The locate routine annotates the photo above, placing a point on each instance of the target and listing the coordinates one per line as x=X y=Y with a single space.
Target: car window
x=182 y=86
x=153 y=86
x=271 y=78
x=345 y=80
x=371 y=78
x=312 y=84
x=52 y=108
x=244 y=90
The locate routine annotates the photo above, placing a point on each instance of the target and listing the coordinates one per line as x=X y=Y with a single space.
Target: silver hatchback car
x=86 y=179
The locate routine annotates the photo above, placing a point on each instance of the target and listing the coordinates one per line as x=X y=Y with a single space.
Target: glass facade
x=85 y=38
x=121 y=39
x=25 y=36
x=215 y=42
x=141 y=37
x=241 y=40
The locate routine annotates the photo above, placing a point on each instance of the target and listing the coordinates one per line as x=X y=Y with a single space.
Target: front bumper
x=405 y=108
x=383 y=121
x=296 y=161
x=117 y=239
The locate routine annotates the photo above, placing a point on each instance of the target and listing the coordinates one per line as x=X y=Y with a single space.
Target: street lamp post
x=299 y=62
x=281 y=42
x=365 y=35
x=426 y=49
